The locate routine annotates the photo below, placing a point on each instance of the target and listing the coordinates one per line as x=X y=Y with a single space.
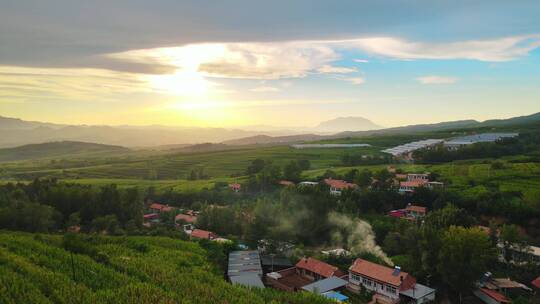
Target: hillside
x=37 y=269
x=411 y=129
x=347 y=124
x=57 y=149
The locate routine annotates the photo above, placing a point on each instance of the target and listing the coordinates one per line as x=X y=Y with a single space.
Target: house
x=390 y=284
x=185 y=218
x=236 y=187
x=150 y=219
x=411 y=185
x=158 y=208
x=536 y=283
x=520 y=255
x=338 y=185
x=491 y=296
x=415 y=212
x=401 y=176
x=271 y=263
x=311 y=184
x=245 y=268
x=504 y=286
x=203 y=234
x=317 y=270
x=334 y=284
x=285 y=183
x=397 y=213
x=306 y=271
x=417 y=176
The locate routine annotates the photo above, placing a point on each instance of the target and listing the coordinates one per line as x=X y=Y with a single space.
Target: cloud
x=265 y=89
x=495 y=50
x=356 y=80
x=240 y=60
x=434 y=79
x=336 y=70
x=361 y=60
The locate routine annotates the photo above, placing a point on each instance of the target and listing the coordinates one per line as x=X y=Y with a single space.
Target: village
x=262 y=268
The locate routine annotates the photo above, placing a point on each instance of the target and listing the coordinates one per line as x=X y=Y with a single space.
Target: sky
x=277 y=63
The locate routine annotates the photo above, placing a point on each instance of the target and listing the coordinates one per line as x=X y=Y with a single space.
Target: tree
x=74 y=219
x=512 y=240
x=256 y=166
x=268 y=176
x=292 y=171
x=363 y=178
x=466 y=253
x=304 y=164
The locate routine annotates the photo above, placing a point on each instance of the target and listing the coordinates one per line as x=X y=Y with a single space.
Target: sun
x=181 y=83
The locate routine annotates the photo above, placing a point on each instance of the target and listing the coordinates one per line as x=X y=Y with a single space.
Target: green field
x=37 y=269
x=173 y=166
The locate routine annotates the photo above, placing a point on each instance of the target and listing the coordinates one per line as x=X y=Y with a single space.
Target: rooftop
x=339 y=184
x=415 y=208
x=202 y=234
x=249 y=279
x=321 y=268
x=382 y=273
x=243 y=262
x=413 y=183
x=417 y=291
x=325 y=285
x=185 y=217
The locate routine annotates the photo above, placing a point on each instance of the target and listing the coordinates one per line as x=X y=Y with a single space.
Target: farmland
x=38 y=269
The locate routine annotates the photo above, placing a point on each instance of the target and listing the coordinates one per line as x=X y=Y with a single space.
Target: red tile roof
x=150 y=216
x=286 y=183
x=185 y=217
x=161 y=207
x=203 y=234
x=321 y=268
x=415 y=208
x=495 y=295
x=536 y=282
x=413 y=183
x=157 y=206
x=339 y=184
x=235 y=186
x=383 y=274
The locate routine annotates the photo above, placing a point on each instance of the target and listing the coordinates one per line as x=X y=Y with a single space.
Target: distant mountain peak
x=349 y=123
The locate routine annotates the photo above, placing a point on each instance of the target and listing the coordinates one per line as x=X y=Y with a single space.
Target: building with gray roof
x=245 y=268
x=328 y=284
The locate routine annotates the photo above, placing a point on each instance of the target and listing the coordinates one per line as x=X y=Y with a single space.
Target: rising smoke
x=355 y=235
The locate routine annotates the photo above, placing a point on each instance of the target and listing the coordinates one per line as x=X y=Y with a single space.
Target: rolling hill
x=58 y=149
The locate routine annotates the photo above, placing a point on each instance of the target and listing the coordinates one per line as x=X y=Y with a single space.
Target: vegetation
x=103 y=269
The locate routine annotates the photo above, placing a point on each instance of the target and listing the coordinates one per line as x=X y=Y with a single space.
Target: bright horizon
x=276 y=64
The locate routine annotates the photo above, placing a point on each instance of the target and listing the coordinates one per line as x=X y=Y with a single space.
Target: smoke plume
x=355 y=235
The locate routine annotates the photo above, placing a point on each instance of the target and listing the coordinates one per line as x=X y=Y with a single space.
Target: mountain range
x=16 y=132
